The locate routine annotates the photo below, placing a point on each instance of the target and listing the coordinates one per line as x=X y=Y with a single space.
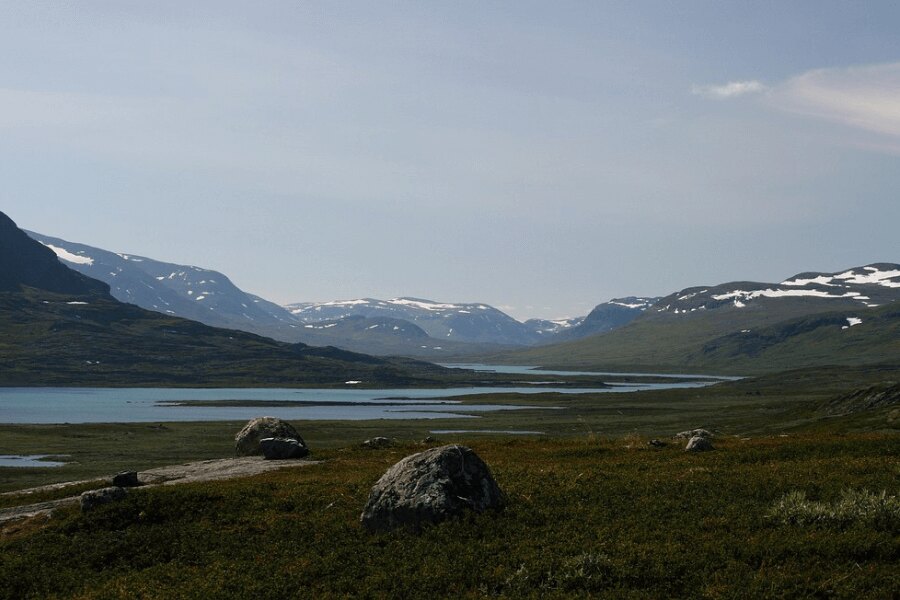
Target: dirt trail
x=204 y=470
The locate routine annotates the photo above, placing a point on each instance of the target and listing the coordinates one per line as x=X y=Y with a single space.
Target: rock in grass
x=377 y=442
x=655 y=443
x=282 y=448
x=246 y=442
x=126 y=479
x=94 y=498
x=698 y=443
x=429 y=487
x=686 y=435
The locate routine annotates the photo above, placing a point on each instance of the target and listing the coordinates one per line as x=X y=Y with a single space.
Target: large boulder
x=430 y=487
x=246 y=442
x=107 y=495
x=698 y=443
x=126 y=479
x=282 y=448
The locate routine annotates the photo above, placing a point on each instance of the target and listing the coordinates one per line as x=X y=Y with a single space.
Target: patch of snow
x=67 y=256
x=777 y=293
x=853 y=321
x=627 y=305
x=200 y=297
x=352 y=382
x=874 y=276
x=75 y=302
x=425 y=305
x=820 y=280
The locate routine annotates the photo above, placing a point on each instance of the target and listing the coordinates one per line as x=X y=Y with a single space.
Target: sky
x=542 y=157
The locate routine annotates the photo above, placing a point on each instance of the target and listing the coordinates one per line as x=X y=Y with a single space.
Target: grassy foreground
x=586 y=516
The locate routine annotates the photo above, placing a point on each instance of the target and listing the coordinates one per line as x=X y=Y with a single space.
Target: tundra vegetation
x=799 y=498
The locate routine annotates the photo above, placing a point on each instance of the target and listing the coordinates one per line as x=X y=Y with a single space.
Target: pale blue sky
x=541 y=157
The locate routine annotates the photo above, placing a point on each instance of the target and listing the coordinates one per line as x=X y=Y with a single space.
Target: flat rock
x=282 y=448
x=429 y=487
x=246 y=442
x=698 y=443
x=95 y=498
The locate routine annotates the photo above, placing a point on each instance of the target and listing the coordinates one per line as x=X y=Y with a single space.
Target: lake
x=139 y=405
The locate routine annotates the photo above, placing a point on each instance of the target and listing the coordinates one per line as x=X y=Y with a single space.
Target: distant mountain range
x=847 y=317
x=401 y=326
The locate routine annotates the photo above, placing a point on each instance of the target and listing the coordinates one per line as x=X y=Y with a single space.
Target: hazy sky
x=541 y=157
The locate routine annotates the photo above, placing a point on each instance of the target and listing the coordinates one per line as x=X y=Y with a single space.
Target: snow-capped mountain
x=550 y=327
x=868 y=286
x=185 y=291
x=463 y=322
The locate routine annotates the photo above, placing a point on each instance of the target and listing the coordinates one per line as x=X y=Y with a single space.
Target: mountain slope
x=26 y=264
x=61 y=328
x=688 y=329
x=190 y=292
x=608 y=316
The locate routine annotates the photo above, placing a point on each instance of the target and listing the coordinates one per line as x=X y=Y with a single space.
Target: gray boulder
x=246 y=442
x=686 y=435
x=126 y=479
x=377 y=442
x=94 y=498
x=282 y=448
x=698 y=443
x=429 y=487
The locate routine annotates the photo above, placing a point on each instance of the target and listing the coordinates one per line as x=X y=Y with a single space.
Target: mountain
x=463 y=322
x=23 y=263
x=616 y=313
x=185 y=291
x=748 y=327
x=60 y=327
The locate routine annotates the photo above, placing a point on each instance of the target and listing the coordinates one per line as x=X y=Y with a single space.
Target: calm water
x=130 y=405
x=33 y=460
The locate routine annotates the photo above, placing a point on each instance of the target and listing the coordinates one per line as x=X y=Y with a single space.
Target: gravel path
x=204 y=470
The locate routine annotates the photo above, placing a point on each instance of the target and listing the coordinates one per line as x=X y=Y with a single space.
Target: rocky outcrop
x=686 y=435
x=429 y=487
x=698 y=443
x=94 y=498
x=377 y=442
x=246 y=442
x=282 y=448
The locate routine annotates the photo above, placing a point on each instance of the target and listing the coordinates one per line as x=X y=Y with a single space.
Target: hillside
x=62 y=328
x=844 y=318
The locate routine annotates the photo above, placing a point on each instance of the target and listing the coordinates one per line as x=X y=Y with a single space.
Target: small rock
x=94 y=498
x=429 y=487
x=377 y=442
x=698 y=443
x=246 y=442
x=282 y=448
x=686 y=435
x=428 y=440
x=126 y=479
x=657 y=443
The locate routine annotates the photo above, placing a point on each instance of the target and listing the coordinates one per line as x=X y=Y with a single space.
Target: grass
x=586 y=516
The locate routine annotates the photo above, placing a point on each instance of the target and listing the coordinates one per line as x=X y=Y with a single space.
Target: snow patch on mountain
x=76 y=259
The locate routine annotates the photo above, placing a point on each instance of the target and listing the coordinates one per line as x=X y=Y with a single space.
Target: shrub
x=854 y=507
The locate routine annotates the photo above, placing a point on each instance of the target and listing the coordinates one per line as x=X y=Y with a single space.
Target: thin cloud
x=866 y=97
x=732 y=89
